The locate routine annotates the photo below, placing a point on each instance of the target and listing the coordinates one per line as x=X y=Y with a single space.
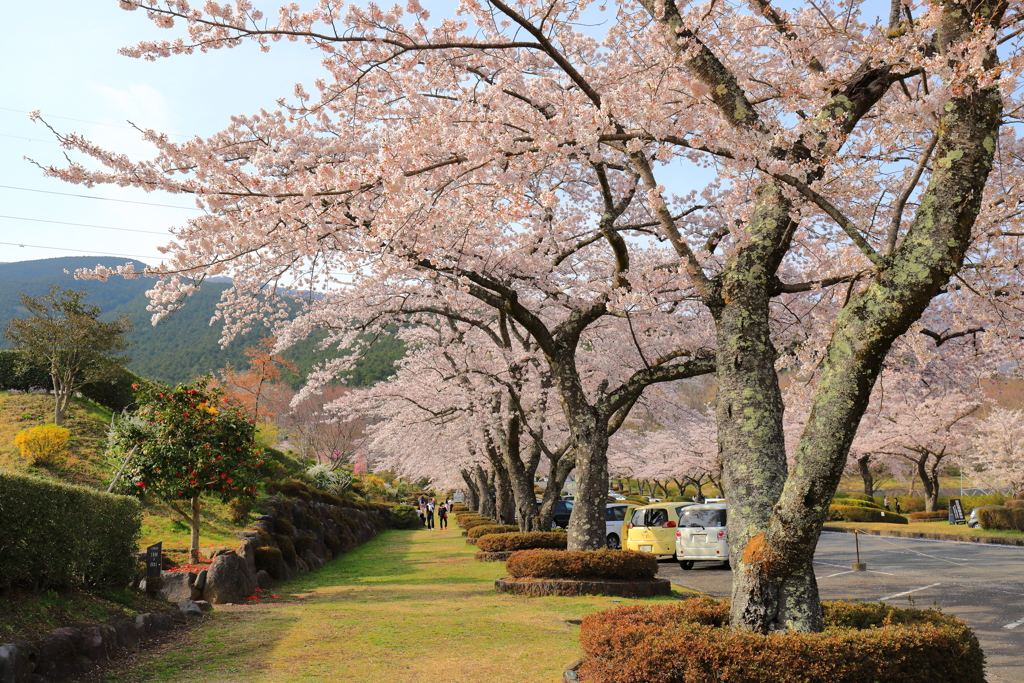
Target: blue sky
x=61 y=58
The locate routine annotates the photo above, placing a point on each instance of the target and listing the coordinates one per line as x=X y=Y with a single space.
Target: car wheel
x=726 y=565
x=686 y=564
x=613 y=542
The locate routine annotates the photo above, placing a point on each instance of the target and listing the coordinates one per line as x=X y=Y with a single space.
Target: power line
x=106 y=199
x=95 y=123
x=80 y=251
x=20 y=137
x=84 y=225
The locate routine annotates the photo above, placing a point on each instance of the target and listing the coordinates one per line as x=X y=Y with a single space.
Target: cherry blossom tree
x=509 y=156
x=998 y=451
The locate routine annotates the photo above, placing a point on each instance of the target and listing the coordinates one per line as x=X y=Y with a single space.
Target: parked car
x=652 y=528
x=563 y=509
x=615 y=518
x=973 y=522
x=701 y=535
x=616 y=495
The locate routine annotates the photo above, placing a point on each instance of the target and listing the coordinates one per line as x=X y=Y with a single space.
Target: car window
x=657 y=517
x=568 y=505
x=617 y=514
x=638 y=518
x=702 y=518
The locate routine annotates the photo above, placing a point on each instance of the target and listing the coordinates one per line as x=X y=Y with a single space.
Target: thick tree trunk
x=586 y=524
x=485 y=503
x=472 y=493
x=864 y=466
x=929 y=480
x=504 y=503
x=193 y=553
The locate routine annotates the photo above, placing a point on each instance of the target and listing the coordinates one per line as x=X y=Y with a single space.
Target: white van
x=701 y=536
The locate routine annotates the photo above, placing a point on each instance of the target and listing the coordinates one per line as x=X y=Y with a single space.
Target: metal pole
x=856 y=541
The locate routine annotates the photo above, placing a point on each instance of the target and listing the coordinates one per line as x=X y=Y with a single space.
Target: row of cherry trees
x=847 y=200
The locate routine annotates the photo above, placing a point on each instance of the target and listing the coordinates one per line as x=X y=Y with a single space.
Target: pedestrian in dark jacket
x=442 y=517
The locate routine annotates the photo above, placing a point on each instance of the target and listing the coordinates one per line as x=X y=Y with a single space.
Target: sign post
x=956 y=512
x=154 y=559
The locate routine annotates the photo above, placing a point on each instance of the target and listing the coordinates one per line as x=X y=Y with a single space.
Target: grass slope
x=409 y=606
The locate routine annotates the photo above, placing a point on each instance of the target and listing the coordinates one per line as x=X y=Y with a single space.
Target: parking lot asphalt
x=981 y=584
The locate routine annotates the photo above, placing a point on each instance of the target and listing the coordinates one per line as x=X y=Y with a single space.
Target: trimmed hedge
x=496 y=543
x=929 y=516
x=689 y=641
x=484 y=529
x=853 y=495
x=1003 y=519
x=857 y=503
x=582 y=564
x=473 y=523
x=66 y=536
x=1016 y=503
x=850 y=513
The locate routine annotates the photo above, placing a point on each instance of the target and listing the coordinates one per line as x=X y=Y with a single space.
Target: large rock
x=98 y=643
x=162 y=622
x=18 y=662
x=57 y=658
x=127 y=634
x=246 y=552
x=312 y=559
x=214 y=551
x=190 y=609
x=264 y=580
x=228 y=580
x=177 y=585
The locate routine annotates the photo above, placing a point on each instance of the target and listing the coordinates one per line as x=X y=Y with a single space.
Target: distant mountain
x=183 y=345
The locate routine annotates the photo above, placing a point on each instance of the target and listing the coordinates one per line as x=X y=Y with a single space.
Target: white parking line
x=1015 y=624
x=829 y=564
x=896 y=595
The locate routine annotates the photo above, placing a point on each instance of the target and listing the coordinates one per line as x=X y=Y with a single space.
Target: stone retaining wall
x=71 y=651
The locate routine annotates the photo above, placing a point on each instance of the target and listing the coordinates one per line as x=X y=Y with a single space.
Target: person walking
x=442 y=517
x=886 y=502
x=430 y=515
x=896 y=502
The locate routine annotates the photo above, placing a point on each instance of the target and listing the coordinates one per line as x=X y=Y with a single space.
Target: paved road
x=982 y=584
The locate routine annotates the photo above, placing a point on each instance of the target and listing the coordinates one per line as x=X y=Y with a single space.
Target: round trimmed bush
x=496 y=543
x=1014 y=503
x=850 y=513
x=484 y=529
x=582 y=564
x=405 y=517
x=690 y=641
x=938 y=515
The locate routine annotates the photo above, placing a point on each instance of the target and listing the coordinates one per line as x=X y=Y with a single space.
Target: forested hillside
x=184 y=344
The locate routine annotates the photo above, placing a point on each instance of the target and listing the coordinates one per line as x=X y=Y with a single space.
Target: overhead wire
x=106 y=199
x=84 y=225
x=80 y=251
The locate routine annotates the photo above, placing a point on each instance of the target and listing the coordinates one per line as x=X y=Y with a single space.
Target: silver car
x=701 y=536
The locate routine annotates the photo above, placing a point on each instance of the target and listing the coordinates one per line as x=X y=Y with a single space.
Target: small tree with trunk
x=185 y=442
x=66 y=336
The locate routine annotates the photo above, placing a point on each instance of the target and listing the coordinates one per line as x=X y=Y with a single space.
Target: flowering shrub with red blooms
x=188 y=440
x=690 y=641
x=582 y=564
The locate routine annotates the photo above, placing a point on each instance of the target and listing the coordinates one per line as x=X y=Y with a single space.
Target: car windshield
x=657 y=517
x=702 y=518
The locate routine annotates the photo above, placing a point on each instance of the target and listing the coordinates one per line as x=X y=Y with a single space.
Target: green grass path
x=407 y=607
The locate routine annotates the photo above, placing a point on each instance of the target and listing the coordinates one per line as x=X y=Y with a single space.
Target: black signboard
x=956 y=512
x=154 y=559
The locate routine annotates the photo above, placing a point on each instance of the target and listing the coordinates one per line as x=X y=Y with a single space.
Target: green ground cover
x=409 y=606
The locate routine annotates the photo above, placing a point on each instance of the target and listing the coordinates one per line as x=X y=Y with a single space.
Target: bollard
x=858 y=566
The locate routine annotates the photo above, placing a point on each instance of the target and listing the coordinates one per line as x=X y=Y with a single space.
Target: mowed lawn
x=409 y=606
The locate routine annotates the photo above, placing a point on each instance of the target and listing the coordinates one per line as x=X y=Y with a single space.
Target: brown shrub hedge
x=484 y=529
x=689 y=642
x=1003 y=519
x=1015 y=503
x=582 y=564
x=849 y=513
x=929 y=516
x=496 y=543
x=473 y=523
